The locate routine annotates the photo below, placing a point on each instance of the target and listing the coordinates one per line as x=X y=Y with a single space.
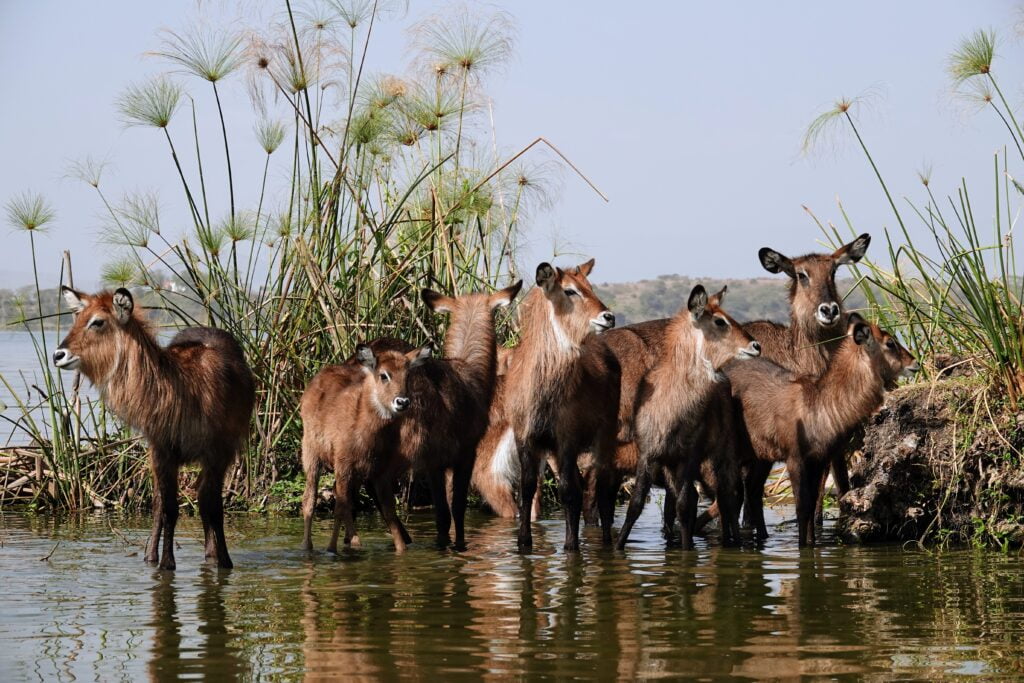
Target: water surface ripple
x=95 y=611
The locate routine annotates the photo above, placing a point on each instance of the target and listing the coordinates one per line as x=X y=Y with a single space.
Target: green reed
x=387 y=191
x=956 y=290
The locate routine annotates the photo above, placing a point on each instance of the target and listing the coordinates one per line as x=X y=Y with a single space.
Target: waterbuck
x=682 y=415
x=349 y=425
x=561 y=394
x=799 y=419
x=817 y=325
x=451 y=398
x=192 y=400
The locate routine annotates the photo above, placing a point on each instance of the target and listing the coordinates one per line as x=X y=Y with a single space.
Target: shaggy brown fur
x=803 y=346
x=192 y=401
x=451 y=398
x=496 y=470
x=349 y=425
x=798 y=419
x=562 y=393
x=679 y=424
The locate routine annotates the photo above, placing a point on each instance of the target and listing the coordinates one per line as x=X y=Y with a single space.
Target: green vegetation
x=955 y=296
x=392 y=183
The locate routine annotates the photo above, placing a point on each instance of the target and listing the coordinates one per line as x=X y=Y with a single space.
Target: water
x=95 y=611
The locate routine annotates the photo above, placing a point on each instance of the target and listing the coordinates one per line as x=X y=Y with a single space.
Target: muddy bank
x=940 y=462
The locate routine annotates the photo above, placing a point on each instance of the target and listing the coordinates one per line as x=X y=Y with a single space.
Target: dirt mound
x=940 y=462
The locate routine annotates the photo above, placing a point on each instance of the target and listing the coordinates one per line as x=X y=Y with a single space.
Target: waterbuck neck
x=471 y=339
x=681 y=380
x=142 y=382
x=851 y=389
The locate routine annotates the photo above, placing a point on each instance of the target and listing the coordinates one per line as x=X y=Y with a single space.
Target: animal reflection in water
x=215 y=654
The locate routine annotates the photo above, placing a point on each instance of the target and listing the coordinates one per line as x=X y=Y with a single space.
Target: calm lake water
x=95 y=611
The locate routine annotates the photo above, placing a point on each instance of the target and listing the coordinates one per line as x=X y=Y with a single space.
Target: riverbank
x=941 y=462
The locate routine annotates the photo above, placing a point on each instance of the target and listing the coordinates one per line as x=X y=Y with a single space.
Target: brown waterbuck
x=798 y=419
x=192 y=400
x=561 y=394
x=682 y=415
x=817 y=325
x=451 y=397
x=349 y=425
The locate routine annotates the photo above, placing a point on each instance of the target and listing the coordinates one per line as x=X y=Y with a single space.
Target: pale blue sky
x=688 y=116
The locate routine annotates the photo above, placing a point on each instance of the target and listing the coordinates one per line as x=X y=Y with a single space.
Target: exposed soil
x=940 y=462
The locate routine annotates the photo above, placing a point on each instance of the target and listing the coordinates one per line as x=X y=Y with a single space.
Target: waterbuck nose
x=59 y=355
x=401 y=403
x=829 y=311
x=609 y=318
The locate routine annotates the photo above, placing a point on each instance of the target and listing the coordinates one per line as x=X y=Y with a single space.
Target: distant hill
x=747 y=299
x=662 y=297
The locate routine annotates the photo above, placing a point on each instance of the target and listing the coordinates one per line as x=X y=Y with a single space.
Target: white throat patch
x=561 y=338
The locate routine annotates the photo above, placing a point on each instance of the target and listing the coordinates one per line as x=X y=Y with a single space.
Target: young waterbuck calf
x=798 y=419
x=192 y=400
x=349 y=425
x=561 y=394
x=679 y=424
x=451 y=398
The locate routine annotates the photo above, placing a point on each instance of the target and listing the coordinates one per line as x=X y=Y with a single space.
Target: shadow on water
x=94 y=610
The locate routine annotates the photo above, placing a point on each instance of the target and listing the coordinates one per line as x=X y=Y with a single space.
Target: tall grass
x=391 y=186
x=956 y=290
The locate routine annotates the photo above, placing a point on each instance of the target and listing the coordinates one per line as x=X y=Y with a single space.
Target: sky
x=688 y=116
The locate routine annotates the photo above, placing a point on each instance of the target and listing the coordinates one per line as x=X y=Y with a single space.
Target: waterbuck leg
x=386 y=496
x=345 y=488
x=460 y=494
x=753 y=497
x=636 y=503
x=211 y=508
x=309 y=504
x=442 y=515
x=167 y=481
x=153 y=546
x=570 y=492
x=527 y=490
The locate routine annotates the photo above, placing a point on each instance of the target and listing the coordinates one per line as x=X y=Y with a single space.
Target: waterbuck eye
x=891 y=345
x=802 y=276
x=721 y=322
x=385 y=377
x=571 y=292
x=96 y=323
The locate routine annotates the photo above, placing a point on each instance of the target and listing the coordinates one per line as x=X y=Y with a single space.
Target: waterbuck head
x=812 y=290
x=472 y=317
x=385 y=374
x=103 y=323
x=574 y=309
x=719 y=337
x=886 y=355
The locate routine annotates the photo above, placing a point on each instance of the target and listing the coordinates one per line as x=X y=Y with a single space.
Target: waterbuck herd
x=697 y=400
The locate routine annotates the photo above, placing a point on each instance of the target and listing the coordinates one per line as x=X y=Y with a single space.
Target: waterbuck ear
x=417 y=356
x=364 y=354
x=852 y=252
x=697 y=302
x=505 y=296
x=717 y=297
x=861 y=333
x=123 y=305
x=76 y=301
x=774 y=262
x=436 y=301
x=585 y=268
x=547 y=276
